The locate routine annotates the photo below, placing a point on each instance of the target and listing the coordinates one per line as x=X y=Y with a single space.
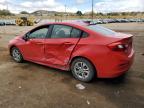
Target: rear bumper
x=116 y=67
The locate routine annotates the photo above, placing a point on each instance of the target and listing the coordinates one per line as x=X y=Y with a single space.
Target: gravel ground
x=30 y=85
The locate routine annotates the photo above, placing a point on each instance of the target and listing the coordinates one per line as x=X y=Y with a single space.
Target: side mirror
x=26 y=37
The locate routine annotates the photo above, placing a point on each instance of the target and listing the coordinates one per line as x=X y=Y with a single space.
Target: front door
x=34 y=46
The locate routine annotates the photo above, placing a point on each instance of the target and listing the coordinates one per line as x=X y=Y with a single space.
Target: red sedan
x=85 y=49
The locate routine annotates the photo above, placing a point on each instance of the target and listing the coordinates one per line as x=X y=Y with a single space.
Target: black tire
x=81 y=73
x=19 y=58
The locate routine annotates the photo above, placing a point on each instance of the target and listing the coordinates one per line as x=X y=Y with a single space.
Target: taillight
x=118 y=46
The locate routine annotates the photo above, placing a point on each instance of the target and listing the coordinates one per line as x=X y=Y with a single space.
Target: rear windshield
x=101 y=30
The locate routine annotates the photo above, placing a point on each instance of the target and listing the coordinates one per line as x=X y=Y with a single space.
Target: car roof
x=77 y=24
x=72 y=23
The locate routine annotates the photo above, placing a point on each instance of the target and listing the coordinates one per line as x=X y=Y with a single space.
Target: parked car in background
x=87 y=50
x=2 y=23
x=7 y=22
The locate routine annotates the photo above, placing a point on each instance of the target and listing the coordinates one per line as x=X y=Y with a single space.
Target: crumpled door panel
x=58 y=51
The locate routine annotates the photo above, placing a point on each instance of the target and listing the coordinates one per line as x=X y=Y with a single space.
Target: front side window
x=61 y=31
x=40 y=33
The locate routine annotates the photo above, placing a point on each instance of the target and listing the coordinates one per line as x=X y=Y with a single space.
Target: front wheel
x=83 y=70
x=16 y=55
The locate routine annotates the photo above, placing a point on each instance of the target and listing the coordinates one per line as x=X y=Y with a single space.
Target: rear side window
x=84 y=34
x=61 y=31
x=101 y=30
x=76 y=33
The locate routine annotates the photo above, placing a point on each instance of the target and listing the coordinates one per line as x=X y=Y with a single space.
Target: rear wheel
x=16 y=55
x=83 y=70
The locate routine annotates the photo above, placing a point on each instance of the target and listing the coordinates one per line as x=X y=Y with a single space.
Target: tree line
x=79 y=13
x=5 y=12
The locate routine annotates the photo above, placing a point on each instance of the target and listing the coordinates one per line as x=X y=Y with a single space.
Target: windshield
x=101 y=30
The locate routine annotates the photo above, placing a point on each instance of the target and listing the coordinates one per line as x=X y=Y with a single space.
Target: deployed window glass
x=61 y=31
x=40 y=33
x=76 y=33
x=101 y=30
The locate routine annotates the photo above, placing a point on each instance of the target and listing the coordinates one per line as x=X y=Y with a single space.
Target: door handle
x=35 y=42
x=68 y=43
x=40 y=43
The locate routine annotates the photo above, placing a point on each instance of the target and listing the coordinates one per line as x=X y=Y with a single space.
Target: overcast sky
x=16 y=6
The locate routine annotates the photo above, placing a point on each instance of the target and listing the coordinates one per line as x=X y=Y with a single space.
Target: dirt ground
x=30 y=85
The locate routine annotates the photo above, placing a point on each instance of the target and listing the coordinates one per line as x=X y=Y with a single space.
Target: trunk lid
x=123 y=43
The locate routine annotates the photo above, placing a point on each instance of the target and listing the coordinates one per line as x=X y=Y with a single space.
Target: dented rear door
x=60 y=45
